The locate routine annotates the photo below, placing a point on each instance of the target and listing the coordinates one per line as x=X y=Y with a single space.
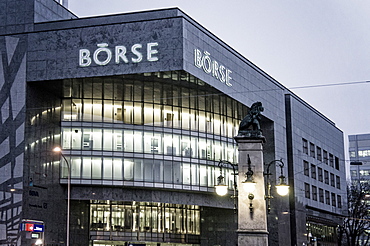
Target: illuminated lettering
x=85 y=59
x=103 y=55
x=135 y=51
x=213 y=67
x=151 y=52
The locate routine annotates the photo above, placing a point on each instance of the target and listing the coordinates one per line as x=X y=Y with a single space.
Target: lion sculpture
x=252 y=119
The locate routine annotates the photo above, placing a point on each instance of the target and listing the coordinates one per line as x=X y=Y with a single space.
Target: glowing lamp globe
x=221 y=189
x=249 y=187
x=282 y=189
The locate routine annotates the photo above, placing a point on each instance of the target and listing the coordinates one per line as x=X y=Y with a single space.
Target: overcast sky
x=299 y=43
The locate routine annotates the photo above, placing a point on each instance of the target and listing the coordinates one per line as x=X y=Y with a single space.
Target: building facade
x=144 y=105
x=359 y=154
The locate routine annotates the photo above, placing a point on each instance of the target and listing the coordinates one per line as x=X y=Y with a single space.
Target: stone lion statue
x=252 y=119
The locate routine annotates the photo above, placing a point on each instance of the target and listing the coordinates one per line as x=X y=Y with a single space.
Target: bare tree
x=355 y=227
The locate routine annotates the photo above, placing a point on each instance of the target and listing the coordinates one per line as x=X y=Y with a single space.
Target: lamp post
x=59 y=150
x=282 y=188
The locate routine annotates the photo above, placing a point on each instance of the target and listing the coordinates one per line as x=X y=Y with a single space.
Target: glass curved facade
x=169 y=129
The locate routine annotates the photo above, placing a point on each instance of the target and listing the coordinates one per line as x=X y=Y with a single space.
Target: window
x=318 y=153
x=333 y=199
x=307 y=190
x=339 y=200
x=338 y=182
x=306 y=168
x=353 y=173
x=314 y=193
x=364 y=153
x=312 y=150
x=332 y=181
x=337 y=163
x=313 y=171
x=321 y=195
x=305 y=146
x=325 y=156
x=365 y=172
x=331 y=160
x=327 y=197
x=319 y=173
x=326 y=176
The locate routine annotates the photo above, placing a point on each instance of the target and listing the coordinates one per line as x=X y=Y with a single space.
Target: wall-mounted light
x=249 y=185
x=282 y=187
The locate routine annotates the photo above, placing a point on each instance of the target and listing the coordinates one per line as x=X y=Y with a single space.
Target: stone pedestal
x=252 y=224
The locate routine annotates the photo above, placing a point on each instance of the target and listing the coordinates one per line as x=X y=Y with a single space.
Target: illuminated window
x=364 y=153
x=144 y=217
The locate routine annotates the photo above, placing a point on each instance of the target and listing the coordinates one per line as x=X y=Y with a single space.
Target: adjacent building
x=359 y=154
x=144 y=106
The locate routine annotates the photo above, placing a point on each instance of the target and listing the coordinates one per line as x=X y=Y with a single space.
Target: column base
x=252 y=237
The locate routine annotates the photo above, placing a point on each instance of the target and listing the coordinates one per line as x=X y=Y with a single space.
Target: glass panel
x=75 y=168
x=87 y=110
x=97 y=110
x=202 y=121
x=167 y=171
x=118 y=112
x=128 y=169
x=107 y=139
x=148 y=114
x=157 y=115
x=203 y=175
x=186 y=173
x=108 y=111
x=67 y=138
x=128 y=113
x=168 y=116
x=158 y=171
x=138 y=115
x=148 y=140
x=87 y=141
x=148 y=170
x=107 y=168
x=96 y=168
x=117 y=140
x=177 y=173
x=76 y=138
x=194 y=174
x=128 y=141
x=138 y=170
x=185 y=118
x=186 y=149
x=97 y=139
x=211 y=176
x=86 y=168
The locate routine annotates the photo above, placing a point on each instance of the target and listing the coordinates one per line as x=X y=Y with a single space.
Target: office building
x=144 y=106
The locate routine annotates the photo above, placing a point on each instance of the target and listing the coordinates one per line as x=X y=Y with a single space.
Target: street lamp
x=282 y=188
x=59 y=150
x=249 y=184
